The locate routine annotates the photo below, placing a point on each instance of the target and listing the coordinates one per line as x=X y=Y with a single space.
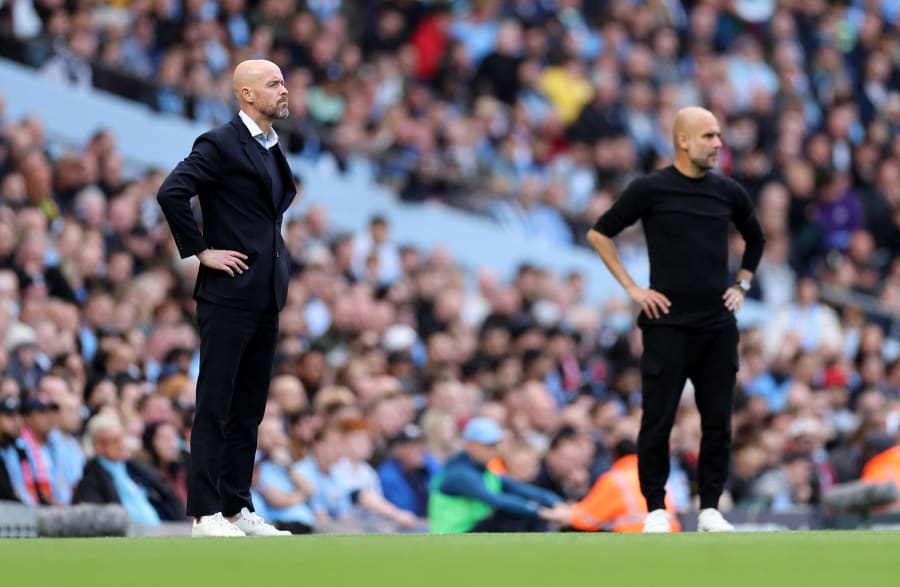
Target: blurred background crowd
x=534 y=113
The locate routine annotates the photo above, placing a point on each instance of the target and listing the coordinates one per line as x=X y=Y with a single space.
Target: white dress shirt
x=266 y=140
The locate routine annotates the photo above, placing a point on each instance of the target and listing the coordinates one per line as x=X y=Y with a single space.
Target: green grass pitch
x=765 y=559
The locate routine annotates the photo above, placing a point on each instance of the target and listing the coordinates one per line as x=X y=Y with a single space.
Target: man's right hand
x=230 y=262
x=653 y=303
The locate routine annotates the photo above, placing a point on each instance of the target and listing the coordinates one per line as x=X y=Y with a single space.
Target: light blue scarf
x=132 y=495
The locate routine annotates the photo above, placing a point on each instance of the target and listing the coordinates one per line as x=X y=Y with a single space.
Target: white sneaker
x=657 y=522
x=251 y=524
x=215 y=525
x=711 y=520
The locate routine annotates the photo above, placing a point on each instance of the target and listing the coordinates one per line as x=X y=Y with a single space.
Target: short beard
x=279 y=112
x=703 y=164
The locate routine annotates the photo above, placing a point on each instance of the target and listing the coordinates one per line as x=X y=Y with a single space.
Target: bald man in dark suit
x=244 y=183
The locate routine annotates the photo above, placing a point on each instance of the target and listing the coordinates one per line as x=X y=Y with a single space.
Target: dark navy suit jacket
x=226 y=170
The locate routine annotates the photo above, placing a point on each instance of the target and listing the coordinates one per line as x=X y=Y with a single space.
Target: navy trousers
x=237 y=350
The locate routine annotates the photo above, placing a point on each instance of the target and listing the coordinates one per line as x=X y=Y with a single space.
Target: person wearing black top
x=687 y=319
x=11 y=455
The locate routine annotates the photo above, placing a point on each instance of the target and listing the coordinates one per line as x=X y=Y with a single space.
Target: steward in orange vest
x=885 y=466
x=615 y=502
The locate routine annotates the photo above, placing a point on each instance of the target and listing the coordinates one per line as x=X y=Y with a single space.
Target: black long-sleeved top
x=686 y=224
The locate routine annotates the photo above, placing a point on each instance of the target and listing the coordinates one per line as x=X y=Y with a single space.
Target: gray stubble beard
x=278 y=113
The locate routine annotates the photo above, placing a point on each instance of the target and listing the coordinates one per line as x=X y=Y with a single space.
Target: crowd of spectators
x=534 y=112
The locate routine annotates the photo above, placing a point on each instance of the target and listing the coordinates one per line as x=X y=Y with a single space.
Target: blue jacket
x=463 y=476
x=408 y=490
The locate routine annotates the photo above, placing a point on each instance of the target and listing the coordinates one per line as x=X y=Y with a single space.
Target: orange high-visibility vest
x=496 y=466
x=885 y=466
x=615 y=501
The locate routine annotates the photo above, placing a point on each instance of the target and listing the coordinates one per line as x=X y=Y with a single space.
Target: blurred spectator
x=375 y=259
x=332 y=501
x=756 y=380
x=111 y=477
x=814 y=325
x=72 y=62
x=14 y=463
x=441 y=434
x=287 y=391
x=407 y=474
x=615 y=502
x=564 y=468
x=883 y=464
x=46 y=467
x=163 y=451
x=285 y=492
x=25 y=358
x=789 y=487
x=354 y=470
x=498 y=72
x=467 y=497
x=62 y=440
x=516 y=460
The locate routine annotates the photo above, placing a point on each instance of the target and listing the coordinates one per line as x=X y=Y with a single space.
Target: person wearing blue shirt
x=406 y=476
x=282 y=490
x=285 y=493
x=331 y=500
x=335 y=504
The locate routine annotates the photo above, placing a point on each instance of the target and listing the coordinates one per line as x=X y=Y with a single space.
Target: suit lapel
x=251 y=149
x=287 y=179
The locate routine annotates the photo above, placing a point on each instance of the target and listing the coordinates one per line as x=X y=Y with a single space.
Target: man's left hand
x=734 y=297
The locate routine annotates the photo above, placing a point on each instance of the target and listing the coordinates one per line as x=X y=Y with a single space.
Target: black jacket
x=96 y=486
x=7 y=493
x=226 y=170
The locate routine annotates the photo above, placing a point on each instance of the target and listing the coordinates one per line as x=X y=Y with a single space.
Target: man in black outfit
x=687 y=318
x=244 y=184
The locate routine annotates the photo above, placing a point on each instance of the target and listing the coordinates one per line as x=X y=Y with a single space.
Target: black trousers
x=710 y=361
x=237 y=349
x=294 y=527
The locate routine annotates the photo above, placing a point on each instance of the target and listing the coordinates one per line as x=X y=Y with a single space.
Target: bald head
x=697 y=139
x=687 y=120
x=249 y=73
x=259 y=87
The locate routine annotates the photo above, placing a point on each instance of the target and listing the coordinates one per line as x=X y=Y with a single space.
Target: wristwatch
x=743 y=285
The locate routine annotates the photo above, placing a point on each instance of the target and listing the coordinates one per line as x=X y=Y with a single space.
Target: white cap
x=399 y=337
x=18 y=335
